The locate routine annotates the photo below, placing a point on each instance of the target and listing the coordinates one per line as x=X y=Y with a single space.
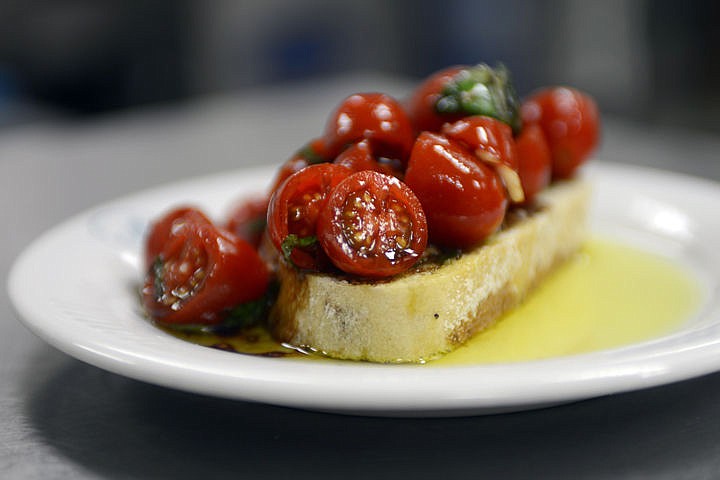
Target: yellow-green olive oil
x=608 y=295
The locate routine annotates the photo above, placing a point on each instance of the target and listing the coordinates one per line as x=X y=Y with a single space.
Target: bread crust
x=424 y=314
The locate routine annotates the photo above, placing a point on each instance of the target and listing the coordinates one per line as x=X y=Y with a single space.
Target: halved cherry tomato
x=200 y=272
x=293 y=212
x=160 y=231
x=492 y=142
x=376 y=117
x=421 y=106
x=534 y=160
x=464 y=200
x=312 y=153
x=248 y=219
x=571 y=123
x=372 y=225
x=359 y=157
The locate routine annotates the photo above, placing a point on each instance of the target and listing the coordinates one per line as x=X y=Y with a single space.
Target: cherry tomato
x=571 y=123
x=464 y=200
x=293 y=212
x=200 y=272
x=312 y=153
x=248 y=218
x=160 y=231
x=359 y=157
x=421 y=106
x=492 y=142
x=376 y=117
x=456 y=92
x=534 y=160
x=372 y=225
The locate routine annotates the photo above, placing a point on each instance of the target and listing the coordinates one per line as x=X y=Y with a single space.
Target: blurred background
x=649 y=61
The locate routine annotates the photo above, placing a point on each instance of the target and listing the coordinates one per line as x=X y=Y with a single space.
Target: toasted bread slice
x=430 y=311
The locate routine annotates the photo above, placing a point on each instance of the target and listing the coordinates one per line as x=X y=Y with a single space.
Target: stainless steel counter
x=61 y=418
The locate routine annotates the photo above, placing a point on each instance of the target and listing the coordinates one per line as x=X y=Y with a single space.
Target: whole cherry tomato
x=535 y=163
x=377 y=117
x=464 y=200
x=421 y=106
x=248 y=219
x=456 y=92
x=372 y=225
x=294 y=209
x=571 y=123
x=492 y=142
x=201 y=271
x=359 y=157
x=312 y=153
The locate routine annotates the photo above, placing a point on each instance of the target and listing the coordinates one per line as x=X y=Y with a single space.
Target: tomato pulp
x=372 y=225
x=200 y=271
x=293 y=212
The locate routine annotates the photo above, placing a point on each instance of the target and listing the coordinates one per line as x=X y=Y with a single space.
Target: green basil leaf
x=482 y=90
x=292 y=242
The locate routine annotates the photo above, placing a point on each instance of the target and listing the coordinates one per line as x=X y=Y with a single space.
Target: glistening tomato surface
x=571 y=123
x=456 y=92
x=312 y=153
x=372 y=226
x=464 y=200
x=359 y=157
x=534 y=161
x=492 y=143
x=161 y=229
x=294 y=208
x=377 y=117
x=200 y=272
x=421 y=106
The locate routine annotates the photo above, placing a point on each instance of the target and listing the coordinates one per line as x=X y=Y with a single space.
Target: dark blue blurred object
x=648 y=60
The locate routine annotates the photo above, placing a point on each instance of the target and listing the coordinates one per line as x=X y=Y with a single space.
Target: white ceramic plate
x=76 y=287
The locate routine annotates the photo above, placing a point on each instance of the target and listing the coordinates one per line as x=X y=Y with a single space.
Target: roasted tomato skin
x=248 y=219
x=421 y=105
x=571 y=123
x=372 y=226
x=376 y=117
x=200 y=272
x=464 y=200
x=534 y=161
x=294 y=209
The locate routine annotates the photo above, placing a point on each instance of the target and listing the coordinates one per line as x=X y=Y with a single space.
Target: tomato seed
x=295 y=213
